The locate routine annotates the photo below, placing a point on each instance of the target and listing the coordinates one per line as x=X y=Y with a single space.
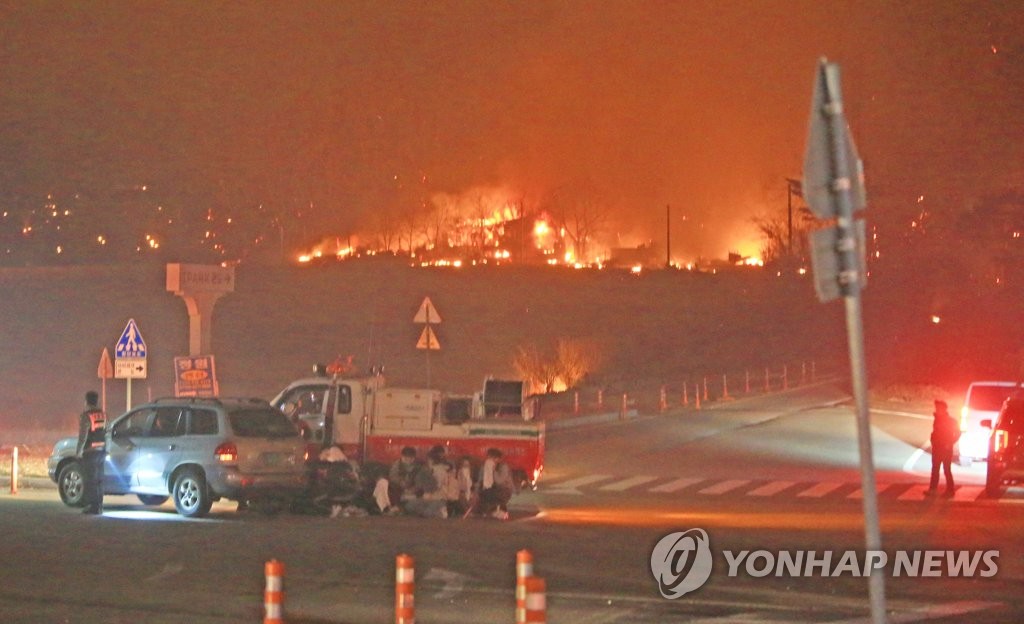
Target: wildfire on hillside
x=485 y=227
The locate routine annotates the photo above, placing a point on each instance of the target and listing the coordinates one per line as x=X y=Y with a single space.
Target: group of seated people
x=429 y=488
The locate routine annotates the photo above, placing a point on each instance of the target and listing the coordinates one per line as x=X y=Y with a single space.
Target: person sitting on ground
x=496 y=485
x=400 y=477
x=429 y=501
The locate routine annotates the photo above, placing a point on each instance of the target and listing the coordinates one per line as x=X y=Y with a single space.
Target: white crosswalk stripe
x=859 y=493
x=820 y=489
x=772 y=488
x=781 y=488
x=581 y=481
x=914 y=492
x=678 y=484
x=625 y=484
x=724 y=486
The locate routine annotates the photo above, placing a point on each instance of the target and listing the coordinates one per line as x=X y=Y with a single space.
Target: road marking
x=968 y=493
x=904 y=414
x=859 y=493
x=908 y=466
x=169 y=570
x=724 y=486
x=771 y=488
x=914 y=492
x=678 y=484
x=452 y=582
x=736 y=618
x=821 y=489
x=625 y=484
x=572 y=486
x=947 y=610
x=581 y=481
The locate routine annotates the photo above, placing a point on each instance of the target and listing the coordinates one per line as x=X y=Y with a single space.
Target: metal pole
x=668 y=236
x=789 y=202
x=850 y=284
x=428 y=346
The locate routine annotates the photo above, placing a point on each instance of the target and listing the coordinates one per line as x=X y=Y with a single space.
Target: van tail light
x=226 y=452
x=1000 y=440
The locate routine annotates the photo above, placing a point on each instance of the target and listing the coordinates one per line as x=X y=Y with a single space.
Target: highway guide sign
x=130 y=353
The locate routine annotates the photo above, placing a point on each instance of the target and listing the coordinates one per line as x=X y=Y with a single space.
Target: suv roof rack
x=211 y=400
x=215 y=400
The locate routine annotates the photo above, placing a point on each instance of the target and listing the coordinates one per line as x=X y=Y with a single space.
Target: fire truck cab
x=372 y=423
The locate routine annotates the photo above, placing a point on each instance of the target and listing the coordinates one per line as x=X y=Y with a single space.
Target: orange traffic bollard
x=767 y=384
x=273 y=596
x=725 y=386
x=785 y=378
x=14 y=470
x=663 y=400
x=576 y=402
x=405 y=577
x=535 y=611
x=686 y=396
x=705 y=388
x=696 y=398
x=747 y=388
x=524 y=570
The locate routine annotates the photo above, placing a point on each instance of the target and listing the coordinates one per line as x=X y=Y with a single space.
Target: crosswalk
x=757 y=488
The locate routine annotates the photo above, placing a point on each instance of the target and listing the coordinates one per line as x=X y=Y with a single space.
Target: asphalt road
x=775 y=473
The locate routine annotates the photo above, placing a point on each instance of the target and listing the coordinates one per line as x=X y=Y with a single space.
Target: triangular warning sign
x=427 y=313
x=428 y=340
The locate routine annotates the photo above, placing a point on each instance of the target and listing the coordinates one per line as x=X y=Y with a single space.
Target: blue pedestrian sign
x=130 y=344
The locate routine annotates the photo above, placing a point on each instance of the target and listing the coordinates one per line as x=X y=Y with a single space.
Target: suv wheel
x=191 y=497
x=71 y=485
x=154 y=500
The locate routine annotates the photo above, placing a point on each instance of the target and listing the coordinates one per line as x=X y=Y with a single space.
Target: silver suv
x=194 y=450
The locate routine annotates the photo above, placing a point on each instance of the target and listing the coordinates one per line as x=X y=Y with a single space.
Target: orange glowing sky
x=342 y=110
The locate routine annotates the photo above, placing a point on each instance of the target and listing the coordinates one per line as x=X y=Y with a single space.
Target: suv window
x=167 y=423
x=261 y=422
x=134 y=424
x=986 y=398
x=344 y=399
x=203 y=422
x=304 y=400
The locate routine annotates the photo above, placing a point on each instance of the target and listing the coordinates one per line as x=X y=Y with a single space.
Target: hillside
x=653 y=328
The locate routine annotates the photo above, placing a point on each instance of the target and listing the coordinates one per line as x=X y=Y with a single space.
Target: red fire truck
x=372 y=422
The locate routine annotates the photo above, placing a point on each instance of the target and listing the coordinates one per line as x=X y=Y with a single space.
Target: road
x=774 y=473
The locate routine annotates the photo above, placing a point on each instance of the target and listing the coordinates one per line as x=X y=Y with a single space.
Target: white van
x=983 y=400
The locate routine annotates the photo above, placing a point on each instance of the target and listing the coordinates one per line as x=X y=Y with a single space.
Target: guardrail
x=596 y=405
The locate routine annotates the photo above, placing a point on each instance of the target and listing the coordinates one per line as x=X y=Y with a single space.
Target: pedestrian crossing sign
x=130 y=344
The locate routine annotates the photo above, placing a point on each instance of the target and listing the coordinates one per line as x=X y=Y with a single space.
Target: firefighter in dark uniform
x=92 y=452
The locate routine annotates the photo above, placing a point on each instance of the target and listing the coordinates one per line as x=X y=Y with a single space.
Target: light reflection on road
x=808 y=521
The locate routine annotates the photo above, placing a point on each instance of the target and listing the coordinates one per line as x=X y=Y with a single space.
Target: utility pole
x=792 y=188
x=668 y=236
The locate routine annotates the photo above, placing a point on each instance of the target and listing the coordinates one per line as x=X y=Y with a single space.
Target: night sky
x=342 y=110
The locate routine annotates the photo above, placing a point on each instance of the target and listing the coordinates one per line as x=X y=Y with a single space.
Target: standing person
x=945 y=433
x=92 y=451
